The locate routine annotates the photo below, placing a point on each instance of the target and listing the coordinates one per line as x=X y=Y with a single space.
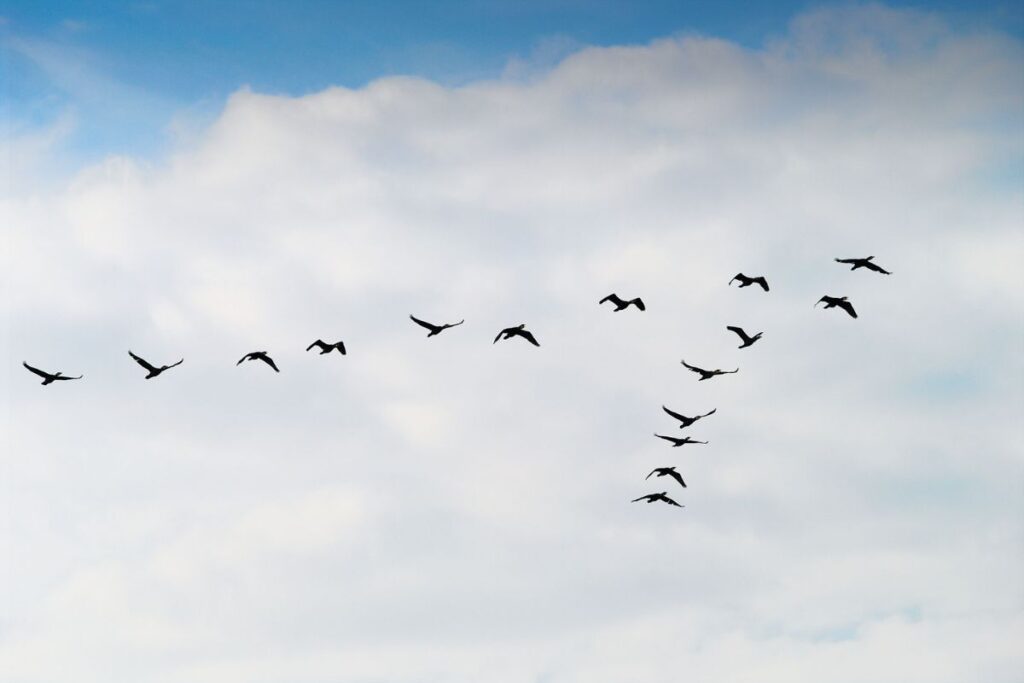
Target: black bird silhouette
x=326 y=348
x=259 y=355
x=679 y=441
x=517 y=331
x=152 y=369
x=840 y=301
x=621 y=303
x=746 y=338
x=864 y=263
x=686 y=421
x=667 y=472
x=48 y=377
x=708 y=374
x=747 y=281
x=663 y=497
x=434 y=329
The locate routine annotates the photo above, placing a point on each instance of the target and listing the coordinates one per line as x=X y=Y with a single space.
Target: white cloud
x=454 y=509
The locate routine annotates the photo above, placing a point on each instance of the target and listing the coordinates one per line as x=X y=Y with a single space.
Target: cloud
x=458 y=510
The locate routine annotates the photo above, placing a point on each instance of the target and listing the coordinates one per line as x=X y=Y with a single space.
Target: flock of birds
x=620 y=304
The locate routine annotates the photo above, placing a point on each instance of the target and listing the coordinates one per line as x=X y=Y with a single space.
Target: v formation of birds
x=620 y=304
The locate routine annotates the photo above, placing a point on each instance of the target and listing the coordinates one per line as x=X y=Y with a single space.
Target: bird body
x=434 y=329
x=326 y=348
x=744 y=337
x=746 y=281
x=687 y=421
x=621 y=304
x=151 y=369
x=708 y=374
x=864 y=263
x=838 y=301
x=259 y=355
x=517 y=331
x=678 y=441
x=48 y=377
x=663 y=497
x=667 y=472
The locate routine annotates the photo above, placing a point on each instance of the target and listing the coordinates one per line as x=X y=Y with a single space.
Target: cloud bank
x=453 y=510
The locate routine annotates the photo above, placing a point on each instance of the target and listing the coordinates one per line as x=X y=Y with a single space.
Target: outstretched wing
x=678 y=477
x=499 y=336
x=669 y=500
x=667 y=438
x=692 y=367
x=421 y=323
x=341 y=347
x=649 y=475
x=614 y=298
x=143 y=362
x=681 y=418
x=244 y=358
x=37 y=371
x=761 y=281
x=457 y=324
x=639 y=303
x=528 y=336
x=269 y=361
x=318 y=343
x=848 y=261
x=713 y=410
x=637 y=500
x=848 y=307
x=738 y=330
x=878 y=269
x=737 y=276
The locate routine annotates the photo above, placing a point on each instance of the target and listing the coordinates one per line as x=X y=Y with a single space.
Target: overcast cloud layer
x=453 y=510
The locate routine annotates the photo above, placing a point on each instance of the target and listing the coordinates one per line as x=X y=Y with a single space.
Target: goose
x=621 y=303
x=259 y=355
x=744 y=337
x=747 y=281
x=663 y=497
x=864 y=263
x=152 y=369
x=47 y=376
x=677 y=442
x=326 y=348
x=517 y=331
x=838 y=301
x=667 y=472
x=687 y=421
x=434 y=329
x=708 y=374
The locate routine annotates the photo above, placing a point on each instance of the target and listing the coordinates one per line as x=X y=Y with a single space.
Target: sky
x=200 y=183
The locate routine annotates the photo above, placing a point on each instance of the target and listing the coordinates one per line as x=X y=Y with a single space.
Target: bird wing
x=667 y=438
x=176 y=364
x=341 y=347
x=681 y=418
x=37 y=371
x=79 y=377
x=243 y=359
x=761 y=281
x=692 y=367
x=670 y=501
x=728 y=372
x=421 y=323
x=878 y=269
x=318 y=342
x=738 y=330
x=498 y=337
x=649 y=475
x=611 y=297
x=637 y=500
x=269 y=361
x=639 y=303
x=458 y=323
x=143 y=362
x=528 y=336
x=846 y=260
x=848 y=307
x=713 y=410
x=678 y=477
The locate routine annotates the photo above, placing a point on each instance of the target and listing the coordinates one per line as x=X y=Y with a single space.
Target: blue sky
x=124 y=70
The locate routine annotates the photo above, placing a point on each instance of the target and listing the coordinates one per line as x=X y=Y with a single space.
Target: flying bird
x=667 y=472
x=686 y=421
x=517 y=331
x=864 y=263
x=677 y=441
x=747 y=281
x=434 y=329
x=744 y=337
x=326 y=348
x=152 y=369
x=259 y=355
x=840 y=301
x=621 y=303
x=663 y=497
x=708 y=374
x=48 y=377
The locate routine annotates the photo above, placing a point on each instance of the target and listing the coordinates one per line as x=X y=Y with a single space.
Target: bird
x=517 y=331
x=840 y=301
x=746 y=338
x=686 y=421
x=864 y=263
x=621 y=303
x=326 y=348
x=434 y=329
x=708 y=374
x=48 y=377
x=152 y=369
x=663 y=497
x=677 y=441
x=667 y=472
x=259 y=355
x=747 y=281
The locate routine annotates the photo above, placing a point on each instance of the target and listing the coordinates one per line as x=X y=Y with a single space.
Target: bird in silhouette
x=326 y=348
x=684 y=421
x=678 y=441
x=840 y=301
x=744 y=337
x=708 y=374
x=864 y=263
x=621 y=303
x=434 y=329
x=517 y=331
x=663 y=497
x=667 y=472
x=747 y=281
x=48 y=377
x=152 y=369
x=259 y=355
